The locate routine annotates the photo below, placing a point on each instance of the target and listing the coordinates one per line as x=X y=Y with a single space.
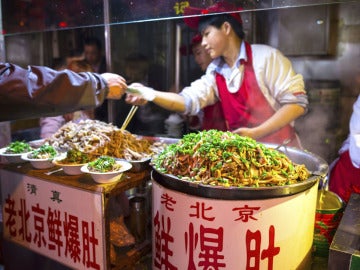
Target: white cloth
x=275 y=75
x=50 y=125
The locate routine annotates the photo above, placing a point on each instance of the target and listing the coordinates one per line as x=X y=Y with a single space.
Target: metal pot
x=315 y=164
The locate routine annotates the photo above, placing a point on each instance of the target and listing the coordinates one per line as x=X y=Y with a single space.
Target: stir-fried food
x=43 y=152
x=227 y=159
x=76 y=157
x=98 y=138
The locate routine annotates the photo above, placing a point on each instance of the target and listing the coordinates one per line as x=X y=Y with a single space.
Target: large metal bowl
x=315 y=164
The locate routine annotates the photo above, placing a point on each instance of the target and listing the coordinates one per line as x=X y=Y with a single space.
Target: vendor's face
x=213 y=41
x=202 y=58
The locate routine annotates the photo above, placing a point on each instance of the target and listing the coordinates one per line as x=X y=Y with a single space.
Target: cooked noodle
x=98 y=138
x=227 y=159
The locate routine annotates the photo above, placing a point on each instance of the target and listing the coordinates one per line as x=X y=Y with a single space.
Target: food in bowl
x=41 y=158
x=104 y=164
x=227 y=159
x=106 y=169
x=72 y=161
x=43 y=152
x=12 y=153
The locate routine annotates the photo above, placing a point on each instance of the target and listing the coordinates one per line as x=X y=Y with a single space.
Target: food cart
x=109 y=17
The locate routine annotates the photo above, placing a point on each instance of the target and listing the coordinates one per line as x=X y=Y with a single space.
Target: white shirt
x=274 y=74
x=352 y=143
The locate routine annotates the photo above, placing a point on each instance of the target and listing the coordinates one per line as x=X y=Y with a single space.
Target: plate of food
x=12 y=153
x=42 y=157
x=106 y=169
x=72 y=161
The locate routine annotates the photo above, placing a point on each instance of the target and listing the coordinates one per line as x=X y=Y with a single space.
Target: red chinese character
x=55 y=232
x=10 y=222
x=24 y=216
x=167 y=201
x=245 y=213
x=162 y=241
x=71 y=233
x=253 y=239
x=89 y=245
x=39 y=227
x=201 y=214
x=211 y=244
x=191 y=241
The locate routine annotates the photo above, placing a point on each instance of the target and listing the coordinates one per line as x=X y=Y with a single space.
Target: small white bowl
x=139 y=165
x=69 y=168
x=108 y=177
x=38 y=163
x=11 y=158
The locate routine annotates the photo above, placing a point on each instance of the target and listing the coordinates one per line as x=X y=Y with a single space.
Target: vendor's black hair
x=218 y=20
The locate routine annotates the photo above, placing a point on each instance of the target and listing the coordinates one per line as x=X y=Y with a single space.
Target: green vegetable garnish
x=18 y=147
x=104 y=164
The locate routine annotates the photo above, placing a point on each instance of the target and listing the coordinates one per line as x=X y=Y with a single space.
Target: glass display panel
x=21 y=16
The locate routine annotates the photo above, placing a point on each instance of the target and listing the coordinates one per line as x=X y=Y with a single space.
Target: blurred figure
x=50 y=125
x=149 y=119
x=93 y=55
x=345 y=170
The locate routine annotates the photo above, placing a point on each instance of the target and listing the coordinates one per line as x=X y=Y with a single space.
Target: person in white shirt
x=260 y=93
x=344 y=177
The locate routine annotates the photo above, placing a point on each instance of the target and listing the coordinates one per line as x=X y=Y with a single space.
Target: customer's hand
x=116 y=83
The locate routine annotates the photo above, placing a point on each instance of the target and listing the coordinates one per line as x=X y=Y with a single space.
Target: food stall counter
x=65 y=217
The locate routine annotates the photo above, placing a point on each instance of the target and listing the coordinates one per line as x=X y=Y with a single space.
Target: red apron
x=214 y=118
x=248 y=107
x=344 y=177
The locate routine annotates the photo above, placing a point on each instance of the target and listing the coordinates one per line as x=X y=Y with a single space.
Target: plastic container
x=329 y=211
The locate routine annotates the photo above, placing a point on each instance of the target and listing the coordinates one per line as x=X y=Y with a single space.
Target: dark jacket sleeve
x=41 y=91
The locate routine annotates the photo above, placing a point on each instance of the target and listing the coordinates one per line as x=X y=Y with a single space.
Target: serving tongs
x=129 y=117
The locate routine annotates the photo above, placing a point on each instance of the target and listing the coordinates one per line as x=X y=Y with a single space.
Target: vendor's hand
x=138 y=94
x=116 y=83
x=248 y=132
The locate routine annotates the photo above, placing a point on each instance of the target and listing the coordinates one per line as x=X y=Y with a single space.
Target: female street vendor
x=260 y=93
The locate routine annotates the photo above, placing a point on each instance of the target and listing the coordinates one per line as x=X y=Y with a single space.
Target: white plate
x=11 y=158
x=38 y=163
x=108 y=177
x=69 y=169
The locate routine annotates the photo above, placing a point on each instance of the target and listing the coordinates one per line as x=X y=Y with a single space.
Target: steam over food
x=227 y=159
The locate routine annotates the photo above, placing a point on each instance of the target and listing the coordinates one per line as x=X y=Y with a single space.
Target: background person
x=260 y=93
x=344 y=177
x=94 y=56
x=149 y=119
